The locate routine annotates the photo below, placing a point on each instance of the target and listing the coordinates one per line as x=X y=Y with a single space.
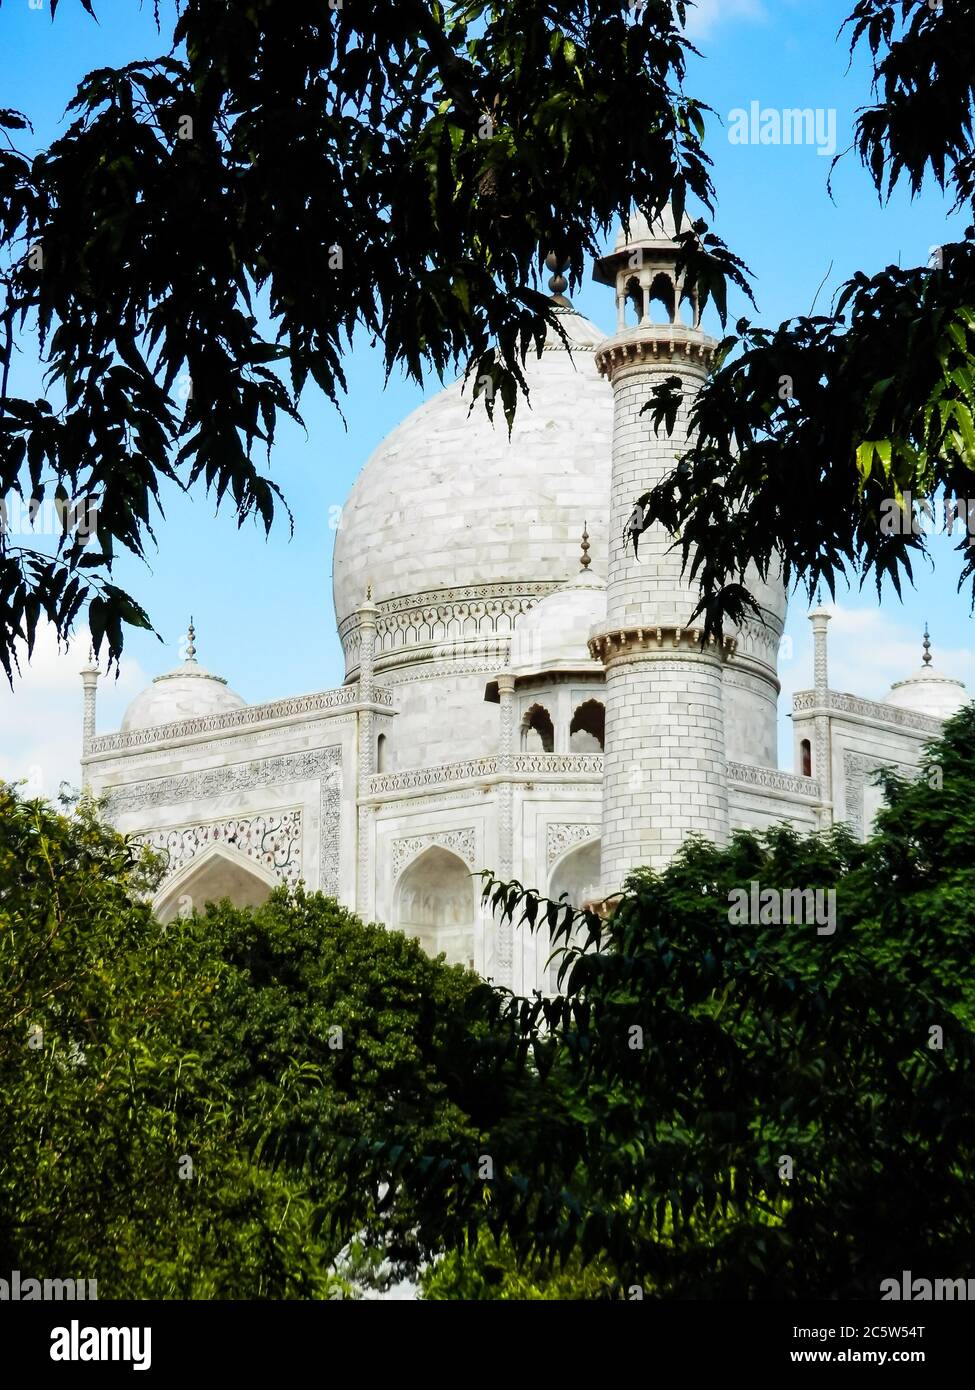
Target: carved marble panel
x=273 y=840
x=857 y=767
x=323 y=764
x=460 y=842
x=560 y=837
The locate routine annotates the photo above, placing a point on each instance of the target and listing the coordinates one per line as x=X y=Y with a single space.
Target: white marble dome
x=449 y=502
x=661 y=233
x=928 y=693
x=185 y=693
x=553 y=635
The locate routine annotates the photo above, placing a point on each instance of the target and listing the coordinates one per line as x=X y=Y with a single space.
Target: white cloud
x=41 y=718
x=706 y=15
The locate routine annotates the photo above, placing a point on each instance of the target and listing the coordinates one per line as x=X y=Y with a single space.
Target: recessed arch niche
x=435 y=903
x=577 y=875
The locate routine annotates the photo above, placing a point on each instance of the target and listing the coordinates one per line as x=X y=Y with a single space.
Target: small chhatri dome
x=643 y=269
x=188 y=692
x=553 y=636
x=926 y=692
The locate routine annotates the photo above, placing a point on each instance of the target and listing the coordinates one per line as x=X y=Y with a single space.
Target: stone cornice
x=650 y=346
x=810 y=704
x=232 y=721
x=614 y=643
x=771 y=780
x=459 y=659
x=227 y=746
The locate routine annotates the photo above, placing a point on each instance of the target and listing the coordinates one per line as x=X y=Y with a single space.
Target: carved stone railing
x=477 y=769
x=572 y=764
x=413 y=778
x=324 y=701
x=838 y=703
x=771 y=779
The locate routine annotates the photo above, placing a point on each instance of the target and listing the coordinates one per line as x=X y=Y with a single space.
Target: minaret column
x=822 y=768
x=503 y=967
x=366 y=763
x=89 y=680
x=665 y=770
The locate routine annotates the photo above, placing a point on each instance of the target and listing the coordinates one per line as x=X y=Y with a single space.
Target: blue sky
x=263 y=608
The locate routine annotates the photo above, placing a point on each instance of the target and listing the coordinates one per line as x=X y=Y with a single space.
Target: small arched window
x=687 y=314
x=381 y=753
x=634 y=298
x=662 y=294
x=587 y=732
x=537 y=731
x=805 y=751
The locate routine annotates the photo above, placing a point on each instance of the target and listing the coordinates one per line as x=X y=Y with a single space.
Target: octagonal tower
x=665 y=764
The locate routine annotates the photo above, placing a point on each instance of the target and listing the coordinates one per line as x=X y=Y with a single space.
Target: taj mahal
x=523 y=692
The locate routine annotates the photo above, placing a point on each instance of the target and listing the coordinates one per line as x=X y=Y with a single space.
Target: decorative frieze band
x=572 y=764
x=476 y=769
x=771 y=779
x=444 y=616
x=470 y=770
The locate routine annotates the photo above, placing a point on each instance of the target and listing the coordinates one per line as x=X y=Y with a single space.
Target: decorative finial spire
x=926 y=644
x=585 y=560
x=557 y=284
x=190 y=647
x=368 y=593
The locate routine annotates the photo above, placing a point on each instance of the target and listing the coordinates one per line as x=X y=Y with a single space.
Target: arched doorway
x=435 y=903
x=577 y=875
x=218 y=873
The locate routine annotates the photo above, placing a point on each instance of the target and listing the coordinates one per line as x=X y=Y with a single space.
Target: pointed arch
x=587 y=731
x=537 y=730
x=577 y=875
x=219 y=872
x=435 y=902
x=688 y=312
x=662 y=292
x=633 y=296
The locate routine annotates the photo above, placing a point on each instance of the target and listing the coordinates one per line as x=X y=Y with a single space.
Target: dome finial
x=557 y=284
x=585 y=561
x=190 y=645
x=926 y=644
